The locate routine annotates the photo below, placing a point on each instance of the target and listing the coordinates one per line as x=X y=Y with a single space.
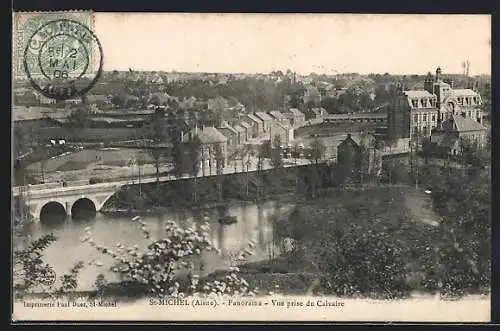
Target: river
x=254 y=222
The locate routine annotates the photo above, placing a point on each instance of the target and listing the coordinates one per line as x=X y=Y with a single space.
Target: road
x=114 y=182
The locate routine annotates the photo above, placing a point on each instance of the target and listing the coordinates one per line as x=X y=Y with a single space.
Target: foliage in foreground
x=366 y=243
x=32 y=274
x=167 y=267
x=463 y=200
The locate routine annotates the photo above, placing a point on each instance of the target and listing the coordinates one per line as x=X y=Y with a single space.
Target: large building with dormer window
x=417 y=112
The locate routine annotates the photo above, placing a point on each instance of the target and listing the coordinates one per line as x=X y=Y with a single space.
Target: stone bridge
x=65 y=198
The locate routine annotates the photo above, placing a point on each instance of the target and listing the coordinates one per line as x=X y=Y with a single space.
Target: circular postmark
x=63 y=59
x=47 y=277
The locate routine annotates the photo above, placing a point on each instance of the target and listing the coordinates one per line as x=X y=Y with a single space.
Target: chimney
x=399 y=87
x=438 y=74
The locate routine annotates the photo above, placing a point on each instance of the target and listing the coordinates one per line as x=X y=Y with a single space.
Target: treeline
x=365 y=242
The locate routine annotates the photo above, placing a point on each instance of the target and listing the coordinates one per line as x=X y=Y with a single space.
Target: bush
x=361 y=242
x=95 y=180
x=32 y=274
x=166 y=267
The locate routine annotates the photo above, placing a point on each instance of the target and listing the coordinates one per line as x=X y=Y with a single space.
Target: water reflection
x=254 y=222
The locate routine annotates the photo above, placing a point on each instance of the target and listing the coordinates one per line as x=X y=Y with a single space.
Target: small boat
x=227 y=220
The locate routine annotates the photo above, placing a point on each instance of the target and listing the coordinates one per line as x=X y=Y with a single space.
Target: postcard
x=207 y=167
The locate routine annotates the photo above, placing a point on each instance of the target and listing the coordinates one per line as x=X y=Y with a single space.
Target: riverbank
x=151 y=211
x=252 y=186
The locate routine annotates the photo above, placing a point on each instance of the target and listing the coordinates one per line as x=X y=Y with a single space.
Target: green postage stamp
x=57 y=52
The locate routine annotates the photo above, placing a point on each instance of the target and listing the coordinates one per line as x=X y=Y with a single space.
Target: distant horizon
x=284 y=71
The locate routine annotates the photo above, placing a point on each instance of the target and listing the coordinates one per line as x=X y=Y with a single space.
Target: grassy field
x=88 y=158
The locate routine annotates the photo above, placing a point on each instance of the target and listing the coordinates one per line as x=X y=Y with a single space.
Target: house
x=73 y=101
x=25 y=96
x=211 y=139
x=457 y=130
x=358 y=152
x=177 y=128
x=256 y=123
x=162 y=98
x=297 y=118
x=415 y=113
x=278 y=116
x=43 y=100
x=99 y=100
x=266 y=119
x=325 y=89
x=349 y=153
x=315 y=113
x=248 y=129
x=218 y=104
x=312 y=95
x=242 y=133
x=230 y=133
x=284 y=131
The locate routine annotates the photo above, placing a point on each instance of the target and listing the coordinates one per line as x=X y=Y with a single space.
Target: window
x=425 y=118
x=468 y=114
x=414 y=103
x=433 y=118
x=415 y=118
x=424 y=130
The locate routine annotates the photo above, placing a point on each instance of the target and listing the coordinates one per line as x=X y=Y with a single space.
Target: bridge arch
x=83 y=209
x=52 y=212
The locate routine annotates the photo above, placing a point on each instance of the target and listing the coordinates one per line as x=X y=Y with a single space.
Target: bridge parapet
x=68 y=190
x=36 y=187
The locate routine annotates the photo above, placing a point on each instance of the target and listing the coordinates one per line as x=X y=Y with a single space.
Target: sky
x=305 y=43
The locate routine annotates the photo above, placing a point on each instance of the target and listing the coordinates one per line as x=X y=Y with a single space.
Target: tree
x=120 y=99
x=80 y=117
x=464 y=233
x=365 y=145
x=219 y=164
x=234 y=157
x=263 y=152
x=193 y=149
x=359 y=244
x=247 y=155
x=42 y=154
x=276 y=153
x=181 y=162
x=427 y=149
x=32 y=274
x=165 y=269
x=157 y=131
x=318 y=150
